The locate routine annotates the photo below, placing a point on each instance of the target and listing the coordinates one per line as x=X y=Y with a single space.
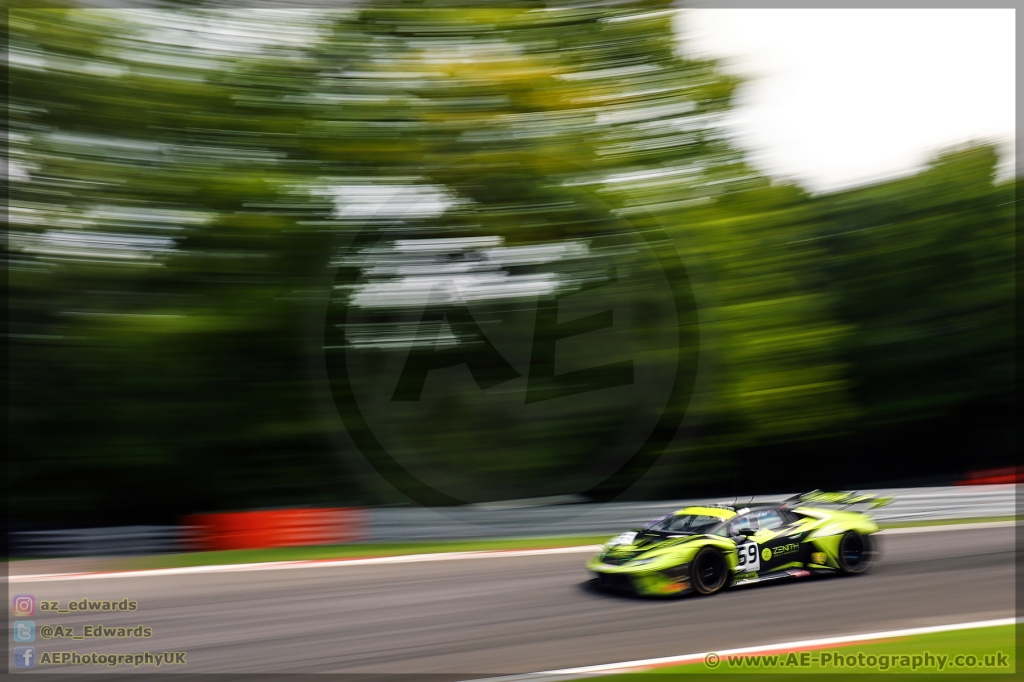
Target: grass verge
x=948 y=522
x=349 y=551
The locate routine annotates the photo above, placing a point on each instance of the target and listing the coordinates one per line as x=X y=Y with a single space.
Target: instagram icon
x=24 y=605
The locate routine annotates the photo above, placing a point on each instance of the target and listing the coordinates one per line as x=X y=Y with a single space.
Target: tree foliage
x=184 y=183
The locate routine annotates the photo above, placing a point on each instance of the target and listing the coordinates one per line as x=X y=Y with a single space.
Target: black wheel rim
x=710 y=572
x=853 y=550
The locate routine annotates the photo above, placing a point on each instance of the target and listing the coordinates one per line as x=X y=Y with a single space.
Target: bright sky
x=839 y=97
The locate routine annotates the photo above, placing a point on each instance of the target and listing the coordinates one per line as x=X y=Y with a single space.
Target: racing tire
x=856 y=553
x=708 y=572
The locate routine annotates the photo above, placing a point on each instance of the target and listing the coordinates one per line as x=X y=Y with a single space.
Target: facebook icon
x=24 y=656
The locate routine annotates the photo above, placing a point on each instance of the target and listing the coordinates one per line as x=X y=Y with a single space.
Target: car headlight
x=641 y=562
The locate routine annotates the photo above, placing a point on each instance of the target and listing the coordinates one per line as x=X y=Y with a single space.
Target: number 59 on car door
x=749 y=558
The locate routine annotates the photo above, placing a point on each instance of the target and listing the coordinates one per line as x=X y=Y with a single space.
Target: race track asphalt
x=475 y=618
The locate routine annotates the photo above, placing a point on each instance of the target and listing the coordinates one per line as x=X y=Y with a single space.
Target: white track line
x=784 y=647
x=403 y=559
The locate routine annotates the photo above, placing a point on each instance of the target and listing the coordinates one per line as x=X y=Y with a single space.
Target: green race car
x=703 y=549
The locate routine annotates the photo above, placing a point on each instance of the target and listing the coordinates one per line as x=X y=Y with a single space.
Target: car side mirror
x=747 y=532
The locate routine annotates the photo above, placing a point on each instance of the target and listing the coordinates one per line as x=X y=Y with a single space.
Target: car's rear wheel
x=708 y=572
x=856 y=552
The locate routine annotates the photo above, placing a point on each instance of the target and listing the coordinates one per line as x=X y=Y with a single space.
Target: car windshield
x=684 y=524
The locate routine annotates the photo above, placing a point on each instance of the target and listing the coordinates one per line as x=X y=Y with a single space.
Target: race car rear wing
x=842 y=500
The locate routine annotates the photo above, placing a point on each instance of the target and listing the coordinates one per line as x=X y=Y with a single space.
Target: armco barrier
x=417 y=523
x=292 y=527
x=275 y=528
x=99 y=541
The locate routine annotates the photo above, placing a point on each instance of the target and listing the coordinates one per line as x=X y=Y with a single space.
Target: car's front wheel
x=708 y=571
x=856 y=552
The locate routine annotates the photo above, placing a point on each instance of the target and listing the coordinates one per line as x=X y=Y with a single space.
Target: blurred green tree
x=182 y=181
x=158 y=357
x=922 y=270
